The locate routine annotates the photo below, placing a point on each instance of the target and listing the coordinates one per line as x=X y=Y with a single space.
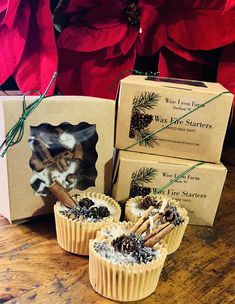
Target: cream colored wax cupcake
x=165 y=210
x=76 y=225
x=121 y=267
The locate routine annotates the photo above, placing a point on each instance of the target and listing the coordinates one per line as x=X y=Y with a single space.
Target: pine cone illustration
x=139 y=121
x=139 y=191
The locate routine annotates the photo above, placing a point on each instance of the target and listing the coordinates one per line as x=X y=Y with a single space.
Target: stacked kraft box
x=147 y=160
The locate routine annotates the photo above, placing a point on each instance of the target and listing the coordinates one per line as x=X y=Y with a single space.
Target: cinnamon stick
x=157 y=230
x=141 y=220
x=158 y=236
x=62 y=194
x=78 y=151
x=42 y=151
x=146 y=224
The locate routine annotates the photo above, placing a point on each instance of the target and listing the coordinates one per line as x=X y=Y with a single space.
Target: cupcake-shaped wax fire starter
x=79 y=215
x=166 y=212
x=124 y=266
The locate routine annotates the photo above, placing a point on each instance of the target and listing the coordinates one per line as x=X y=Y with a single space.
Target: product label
x=147 y=180
x=153 y=111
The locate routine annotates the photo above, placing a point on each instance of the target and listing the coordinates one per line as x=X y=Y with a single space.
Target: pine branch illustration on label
x=140 y=120
x=139 y=179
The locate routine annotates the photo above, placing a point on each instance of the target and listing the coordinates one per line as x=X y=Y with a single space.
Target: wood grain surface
x=34 y=269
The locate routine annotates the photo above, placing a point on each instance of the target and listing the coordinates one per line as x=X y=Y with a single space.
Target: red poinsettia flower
x=28 y=48
x=102 y=41
x=201 y=39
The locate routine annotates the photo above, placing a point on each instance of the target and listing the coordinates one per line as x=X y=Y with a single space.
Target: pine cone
x=103 y=211
x=98 y=212
x=124 y=244
x=93 y=213
x=86 y=203
x=139 y=191
x=147 y=202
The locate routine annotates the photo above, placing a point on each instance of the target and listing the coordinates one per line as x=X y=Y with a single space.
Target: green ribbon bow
x=16 y=133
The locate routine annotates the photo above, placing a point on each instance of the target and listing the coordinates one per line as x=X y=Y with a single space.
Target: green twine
x=16 y=133
x=178 y=177
x=175 y=120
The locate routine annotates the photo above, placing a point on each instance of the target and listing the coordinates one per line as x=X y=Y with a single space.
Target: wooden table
x=34 y=269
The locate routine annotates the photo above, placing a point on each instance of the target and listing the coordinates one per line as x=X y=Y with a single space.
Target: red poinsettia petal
x=79 y=5
x=125 y=45
x=13 y=41
x=230 y=5
x=201 y=27
x=11 y=12
x=152 y=32
x=89 y=74
x=86 y=39
x=189 y=55
x=39 y=60
x=226 y=71
x=3 y=5
x=3 y=9
x=195 y=4
x=104 y=16
x=153 y=3
x=172 y=65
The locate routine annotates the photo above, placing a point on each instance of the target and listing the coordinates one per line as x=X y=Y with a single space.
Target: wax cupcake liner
x=174 y=238
x=74 y=235
x=124 y=283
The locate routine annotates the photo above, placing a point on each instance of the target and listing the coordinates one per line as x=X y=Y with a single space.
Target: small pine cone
x=167 y=216
x=86 y=203
x=124 y=244
x=103 y=211
x=170 y=216
x=93 y=213
x=147 y=201
x=98 y=212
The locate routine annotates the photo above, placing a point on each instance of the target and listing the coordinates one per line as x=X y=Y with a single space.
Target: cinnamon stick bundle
x=141 y=220
x=158 y=236
x=143 y=223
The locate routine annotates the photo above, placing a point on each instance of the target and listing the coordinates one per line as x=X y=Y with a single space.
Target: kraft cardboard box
x=146 y=104
x=199 y=191
x=66 y=138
